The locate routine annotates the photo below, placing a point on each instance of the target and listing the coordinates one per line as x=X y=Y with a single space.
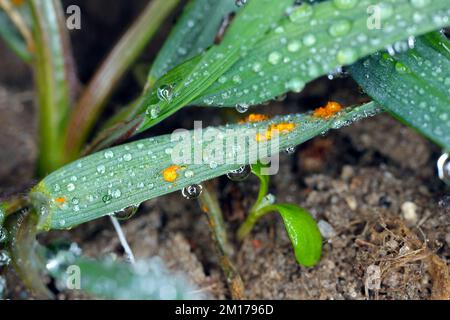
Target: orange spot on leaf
x=60 y=200
x=328 y=111
x=170 y=174
x=255 y=117
x=280 y=128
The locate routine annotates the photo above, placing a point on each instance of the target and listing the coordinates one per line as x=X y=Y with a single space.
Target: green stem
x=52 y=80
x=100 y=88
x=23 y=250
x=253 y=216
x=209 y=204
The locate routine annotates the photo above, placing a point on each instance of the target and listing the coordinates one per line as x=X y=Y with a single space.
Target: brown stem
x=209 y=204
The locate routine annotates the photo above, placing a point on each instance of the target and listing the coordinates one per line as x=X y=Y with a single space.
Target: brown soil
x=373 y=185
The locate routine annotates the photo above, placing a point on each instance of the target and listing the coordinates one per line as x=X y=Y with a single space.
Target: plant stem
x=52 y=80
x=23 y=250
x=253 y=216
x=209 y=204
x=100 y=88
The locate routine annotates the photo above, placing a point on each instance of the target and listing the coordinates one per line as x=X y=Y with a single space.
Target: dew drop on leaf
x=101 y=168
x=345 y=4
x=4 y=258
x=3 y=234
x=443 y=165
x=290 y=150
x=340 y=28
x=240 y=3
x=275 y=58
x=126 y=213
x=108 y=154
x=239 y=174
x=153 y=111
x=164 y=93
x=127 y=157
x=192 y=192
x=242 y=108
x=106 y=198
x=70 y=187
x=302 y=13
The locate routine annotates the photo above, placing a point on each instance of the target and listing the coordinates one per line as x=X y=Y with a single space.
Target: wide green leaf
x=414 y=85
x=303 y=233
x=111 y=180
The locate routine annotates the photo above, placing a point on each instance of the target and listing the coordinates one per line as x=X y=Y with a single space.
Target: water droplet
x=346 y=56
x=75 y=200
x=420 y=3
x=192 y=192
x=294 y=46
x=309 y=40
x=70 y=187
x=56 y=187
x=302 y=13
x=213 y=164
x=106 y=198
x=345 y=4
x=239 y=174
x=4 y=258
x=295 y=85
x=290 y=150
x=3 y=234
x=275 y=58
x=242 y=107
x=108 y=154
x=400 y=67
x=240 y=3
x=237 y=79
x=257 y=67
x=126 y=213
x=116 y=193
x=164 y=93
x=101 y=169
x=269 y=199
x=153 y=111
x=340 y=28
x=189 y=174
x=127 y=157
x=443 y=165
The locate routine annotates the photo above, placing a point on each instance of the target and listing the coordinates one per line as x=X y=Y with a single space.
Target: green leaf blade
x=293 y=54
x=414 y=86
x=109 y=181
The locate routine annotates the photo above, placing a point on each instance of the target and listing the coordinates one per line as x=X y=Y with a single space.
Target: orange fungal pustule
x=280 y=128
x=329 y=110
x=170 y=174
x=255 y=117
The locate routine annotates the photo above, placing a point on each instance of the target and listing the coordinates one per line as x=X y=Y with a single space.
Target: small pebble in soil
x=409 y=210
x=326 y=229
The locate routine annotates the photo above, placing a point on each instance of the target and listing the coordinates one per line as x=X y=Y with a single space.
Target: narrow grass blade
x=193 y=33
x=13 y=38
x=111 y=180
x=414 y=86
